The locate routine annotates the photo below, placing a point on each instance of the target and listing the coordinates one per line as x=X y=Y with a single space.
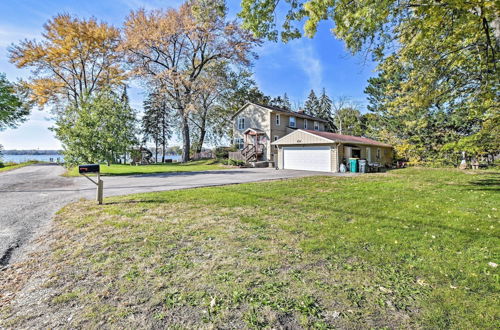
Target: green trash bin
x=353 y=165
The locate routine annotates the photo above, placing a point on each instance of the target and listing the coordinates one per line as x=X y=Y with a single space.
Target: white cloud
x=305 y=56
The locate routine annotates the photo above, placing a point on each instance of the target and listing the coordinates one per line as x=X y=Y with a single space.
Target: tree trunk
x=201 y=140
x=185 y=139
x=156 y=150
x=203 y=127
x=164 y=138
x=203 y=132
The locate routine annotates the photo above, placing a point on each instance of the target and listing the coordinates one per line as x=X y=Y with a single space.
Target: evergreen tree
x=156 y=122
x=276 y=102
x=431 y=134
x=325 y=110
x=311 y=106
x=286 y=102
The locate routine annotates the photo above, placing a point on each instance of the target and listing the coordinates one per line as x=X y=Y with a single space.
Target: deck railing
x=249 y=153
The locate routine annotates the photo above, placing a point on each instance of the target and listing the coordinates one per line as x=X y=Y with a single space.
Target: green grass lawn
x=12 y=166
x=412 y=248
x=118 y=169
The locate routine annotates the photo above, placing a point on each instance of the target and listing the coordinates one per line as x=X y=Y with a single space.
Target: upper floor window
x=278 y=120
x=276 y=137
x=241 y=123
x=316 y=126
x=305 y=123
x=291 y=122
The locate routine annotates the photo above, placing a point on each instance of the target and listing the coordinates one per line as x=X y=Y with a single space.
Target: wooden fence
x=236 y=155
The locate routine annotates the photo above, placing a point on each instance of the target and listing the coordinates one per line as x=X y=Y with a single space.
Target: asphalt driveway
x=31 y=195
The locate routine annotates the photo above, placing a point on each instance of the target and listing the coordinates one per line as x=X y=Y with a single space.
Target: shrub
x=223 y=152
x=235 y=162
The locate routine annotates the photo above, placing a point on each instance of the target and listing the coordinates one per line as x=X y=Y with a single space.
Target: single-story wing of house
x=324 y=151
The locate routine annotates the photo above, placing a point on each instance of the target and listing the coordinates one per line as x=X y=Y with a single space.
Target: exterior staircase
x=251 y=152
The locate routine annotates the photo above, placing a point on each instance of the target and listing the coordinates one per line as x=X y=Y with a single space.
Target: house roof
x=278 y=109
x=325 y=138
x=255 y=130
x=347 y=138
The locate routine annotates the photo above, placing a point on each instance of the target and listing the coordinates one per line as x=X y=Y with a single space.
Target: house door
x=368 y=154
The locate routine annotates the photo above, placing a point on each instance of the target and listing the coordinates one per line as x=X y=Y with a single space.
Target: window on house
x=278 y=120
x=305 y=123
x=356 y=153
x=291 y=122
x=378 y=153
x=241 y=123
x=316 y=126
x=276 y=139
x=239 y=143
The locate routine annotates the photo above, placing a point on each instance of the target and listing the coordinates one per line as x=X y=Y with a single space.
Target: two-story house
x=294 y=140
x=256 y=126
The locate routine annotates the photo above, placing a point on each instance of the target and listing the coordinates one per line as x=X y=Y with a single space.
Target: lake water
x=25 y=158
x=47 y=158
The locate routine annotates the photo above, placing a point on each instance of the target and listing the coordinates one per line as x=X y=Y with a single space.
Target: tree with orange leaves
x=171 y=49
x=75 y=58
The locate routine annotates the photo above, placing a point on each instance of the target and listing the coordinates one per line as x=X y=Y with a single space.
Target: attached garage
x=307 y=158
x=310 y=150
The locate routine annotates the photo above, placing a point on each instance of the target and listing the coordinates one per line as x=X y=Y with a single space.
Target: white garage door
x=307 y=158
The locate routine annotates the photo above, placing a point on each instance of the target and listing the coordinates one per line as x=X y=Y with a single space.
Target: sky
x=293 y=68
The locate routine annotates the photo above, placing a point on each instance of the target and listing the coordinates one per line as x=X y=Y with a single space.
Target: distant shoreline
x=31 y=152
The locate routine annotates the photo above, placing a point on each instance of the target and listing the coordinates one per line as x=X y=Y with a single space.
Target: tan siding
x=300 y=137
x=276 y=130
x=255 y=117
x=264 y=119
x=340 y=154
x=280 y=157
x=334 y=162
x=337 y=154
x=385 y=154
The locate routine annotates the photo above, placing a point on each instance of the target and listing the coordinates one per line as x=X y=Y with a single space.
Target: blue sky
x=294 y=68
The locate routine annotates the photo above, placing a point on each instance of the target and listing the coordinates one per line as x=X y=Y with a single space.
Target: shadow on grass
x=145 y=201
x=490 y=184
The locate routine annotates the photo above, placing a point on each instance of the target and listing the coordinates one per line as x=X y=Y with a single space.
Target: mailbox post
x=93 y=168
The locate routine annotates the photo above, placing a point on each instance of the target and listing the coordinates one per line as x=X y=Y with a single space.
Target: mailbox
x=91 y=168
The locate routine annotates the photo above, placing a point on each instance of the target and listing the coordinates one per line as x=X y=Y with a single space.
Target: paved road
x=31 y=195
